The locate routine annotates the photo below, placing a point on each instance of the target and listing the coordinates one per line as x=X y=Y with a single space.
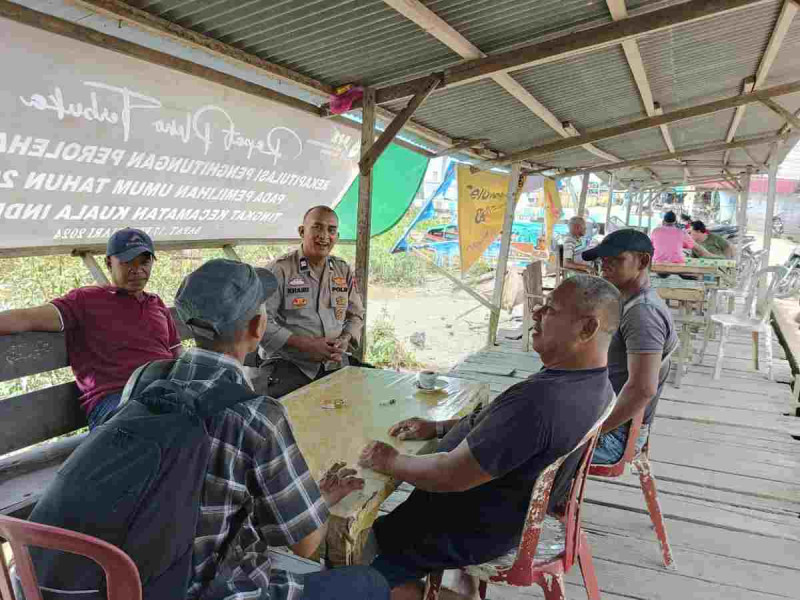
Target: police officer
x=317 y=314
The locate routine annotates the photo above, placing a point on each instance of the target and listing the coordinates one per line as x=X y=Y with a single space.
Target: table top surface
x=327 y=435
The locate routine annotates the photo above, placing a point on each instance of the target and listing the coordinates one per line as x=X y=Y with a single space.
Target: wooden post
x=641 y=207
x=741 y=221
x=628 y=208
x=610 y=199
x=771 y=193
x=97 y=273
x=230 y=252
x=365 y=210
x=502 y=259
x=584 y=192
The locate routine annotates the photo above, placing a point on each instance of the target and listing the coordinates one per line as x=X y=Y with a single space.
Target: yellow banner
x=481 y=207
x=552 y=212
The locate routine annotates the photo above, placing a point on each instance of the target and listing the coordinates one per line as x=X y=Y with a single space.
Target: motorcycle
x=789 y=284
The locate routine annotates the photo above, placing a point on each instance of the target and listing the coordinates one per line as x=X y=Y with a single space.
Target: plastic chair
x=641 y=464
x=122 y=576
x=753 y=316
x=528 y=565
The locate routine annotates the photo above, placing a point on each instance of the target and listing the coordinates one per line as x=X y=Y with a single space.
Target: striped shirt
x=573 y=247
x=258 y=491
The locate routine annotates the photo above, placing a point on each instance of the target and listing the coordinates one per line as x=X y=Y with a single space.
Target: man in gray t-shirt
x=646 y=336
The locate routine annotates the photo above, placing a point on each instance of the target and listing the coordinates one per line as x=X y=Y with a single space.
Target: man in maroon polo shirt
x=110 y=330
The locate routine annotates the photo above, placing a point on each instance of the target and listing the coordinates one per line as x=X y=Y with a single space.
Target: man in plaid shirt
x=258 y=491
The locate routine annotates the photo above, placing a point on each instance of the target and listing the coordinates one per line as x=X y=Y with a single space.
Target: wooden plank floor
x=728 y=474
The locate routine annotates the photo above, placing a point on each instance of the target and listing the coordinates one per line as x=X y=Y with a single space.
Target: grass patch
x=384 y=349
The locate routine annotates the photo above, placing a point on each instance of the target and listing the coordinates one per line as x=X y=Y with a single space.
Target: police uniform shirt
x=313 y=305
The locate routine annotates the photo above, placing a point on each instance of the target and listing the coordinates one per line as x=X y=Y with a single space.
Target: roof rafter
x=619 y=12
x=573 y=44
x=679 y=154
x=782 y=25
x=649 y=123
x=432 y=23
x=118 y=10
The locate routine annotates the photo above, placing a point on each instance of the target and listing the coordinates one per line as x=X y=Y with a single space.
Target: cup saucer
x=437 y=387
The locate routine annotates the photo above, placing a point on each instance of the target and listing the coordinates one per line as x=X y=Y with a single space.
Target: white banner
x=92 y=141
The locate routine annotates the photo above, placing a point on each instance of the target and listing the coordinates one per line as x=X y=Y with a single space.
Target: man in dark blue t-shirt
x=472 y=496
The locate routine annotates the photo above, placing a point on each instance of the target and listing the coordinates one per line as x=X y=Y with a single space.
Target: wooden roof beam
x=630 y=48
x=782 y=112
x=573 y=44
x=649 y=123
x=788 y=11
x=432 y=23
x=680 y=154
x=371 y=156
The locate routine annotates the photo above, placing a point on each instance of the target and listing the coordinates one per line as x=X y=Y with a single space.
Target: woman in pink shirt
x=669 y=240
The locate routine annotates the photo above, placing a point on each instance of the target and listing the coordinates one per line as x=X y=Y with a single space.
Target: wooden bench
x=35 y=417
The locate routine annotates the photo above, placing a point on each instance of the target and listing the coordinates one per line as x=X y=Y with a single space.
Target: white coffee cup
x=427 y=379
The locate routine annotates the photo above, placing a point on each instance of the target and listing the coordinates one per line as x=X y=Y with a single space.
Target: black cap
x=622 y=240
x=126 y=244
x=669 y=217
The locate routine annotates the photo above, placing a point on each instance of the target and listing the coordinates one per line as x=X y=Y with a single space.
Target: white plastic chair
x=753 y=317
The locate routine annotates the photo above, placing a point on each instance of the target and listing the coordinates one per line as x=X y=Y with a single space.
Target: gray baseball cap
x=214 y=298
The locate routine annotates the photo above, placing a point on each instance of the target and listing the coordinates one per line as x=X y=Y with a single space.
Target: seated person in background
x=645 y=336
x=317 y=313
x=709 y=245
x=110 y=330
x=669 y=240
x=574 y=244
x=686 y=221
x=472 y=495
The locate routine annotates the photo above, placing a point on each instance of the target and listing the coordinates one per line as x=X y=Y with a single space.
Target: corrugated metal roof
x=494 y=25
x=575 y=88
x=785 y=65
x=637 y=144
x=480 y=110
x=331 y=40
x=707 y=59
x=758 y=118
x=339 y=41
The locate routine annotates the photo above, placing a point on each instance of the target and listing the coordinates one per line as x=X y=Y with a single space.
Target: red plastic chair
x=122 y=576
x=525 y=566
x=641 y=464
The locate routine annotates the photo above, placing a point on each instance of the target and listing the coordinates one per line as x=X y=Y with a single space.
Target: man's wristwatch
x=440 y=429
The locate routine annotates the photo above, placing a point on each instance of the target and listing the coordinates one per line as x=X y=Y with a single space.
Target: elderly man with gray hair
x=472 y=495
x=574 y=244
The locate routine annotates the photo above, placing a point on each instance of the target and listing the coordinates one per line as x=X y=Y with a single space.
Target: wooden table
x=690 y=293
x=327 y=435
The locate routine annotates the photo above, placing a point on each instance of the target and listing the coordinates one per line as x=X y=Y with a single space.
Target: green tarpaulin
x=396 y=178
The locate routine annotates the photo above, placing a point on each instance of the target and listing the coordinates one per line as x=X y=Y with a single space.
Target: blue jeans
x=345 y=583
x=611 y=445
x=104 y=406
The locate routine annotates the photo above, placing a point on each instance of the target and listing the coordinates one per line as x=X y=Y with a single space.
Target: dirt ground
x=455 y=324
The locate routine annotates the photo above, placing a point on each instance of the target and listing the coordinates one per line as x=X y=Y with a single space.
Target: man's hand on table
x=378 y=457
x=318 y=349
x=338 y=482
x=414 y=429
